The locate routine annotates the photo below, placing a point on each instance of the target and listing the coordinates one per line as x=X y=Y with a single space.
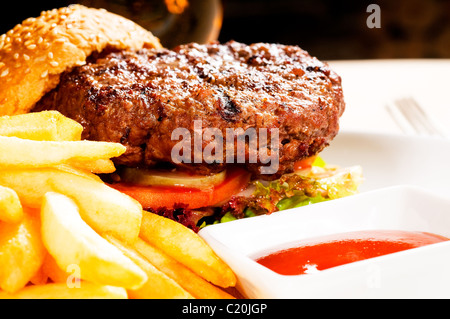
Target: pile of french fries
x=64 y=233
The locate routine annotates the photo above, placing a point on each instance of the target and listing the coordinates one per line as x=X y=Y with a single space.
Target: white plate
x=391 y=159
x=369 y=85
x=406 y=187
x=416 y=273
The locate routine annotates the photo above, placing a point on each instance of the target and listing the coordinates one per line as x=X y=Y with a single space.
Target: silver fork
x=408 y=114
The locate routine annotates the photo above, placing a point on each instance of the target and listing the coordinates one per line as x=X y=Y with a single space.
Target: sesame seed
x=26 y=57
x=4 y=73
x=29 y=21
x=44 y=74
x=40 y=59
x=50 y=55
x=54 y=63
x=16 y=56
x=31 y=47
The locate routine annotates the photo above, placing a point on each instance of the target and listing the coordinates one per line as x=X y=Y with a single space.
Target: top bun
x=34 y=54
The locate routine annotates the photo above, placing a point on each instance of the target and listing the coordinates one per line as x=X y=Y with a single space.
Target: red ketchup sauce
x=321 y=253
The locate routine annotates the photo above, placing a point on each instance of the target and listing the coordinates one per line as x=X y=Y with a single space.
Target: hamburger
x=213 y=132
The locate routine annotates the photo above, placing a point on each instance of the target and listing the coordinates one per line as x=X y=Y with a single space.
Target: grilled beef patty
x=138 y=98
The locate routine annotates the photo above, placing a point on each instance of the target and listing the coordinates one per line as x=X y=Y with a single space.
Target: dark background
x=328 y=29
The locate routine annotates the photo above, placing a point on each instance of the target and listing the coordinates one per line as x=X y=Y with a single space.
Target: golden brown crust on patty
x=34 y=53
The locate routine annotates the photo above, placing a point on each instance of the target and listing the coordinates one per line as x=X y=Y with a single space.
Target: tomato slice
x=166 y=196
x=305 y=163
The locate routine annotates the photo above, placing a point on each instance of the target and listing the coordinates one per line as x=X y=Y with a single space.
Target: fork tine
x=399 y=118
x=421 y=116
x=417 y=117
x=404 y=109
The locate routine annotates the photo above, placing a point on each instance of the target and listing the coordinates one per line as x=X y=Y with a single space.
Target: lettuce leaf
x=321 y=183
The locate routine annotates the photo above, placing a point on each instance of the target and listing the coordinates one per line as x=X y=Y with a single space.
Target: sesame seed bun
x=34 y=54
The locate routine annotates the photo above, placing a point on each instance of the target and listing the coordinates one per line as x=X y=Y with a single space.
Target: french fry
x=41 y=126
x=11 y=210
x=185 y=246
x=102 y=207
x=64 y=233
x=86 y=290
x=72 y=242
x=99 y=166
x=194 y=284
x=29 y=184
x=159 y=285
x=51 y=270
x=21 y=252
x=78 y=171
x=22 y=153
x=39 y=278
